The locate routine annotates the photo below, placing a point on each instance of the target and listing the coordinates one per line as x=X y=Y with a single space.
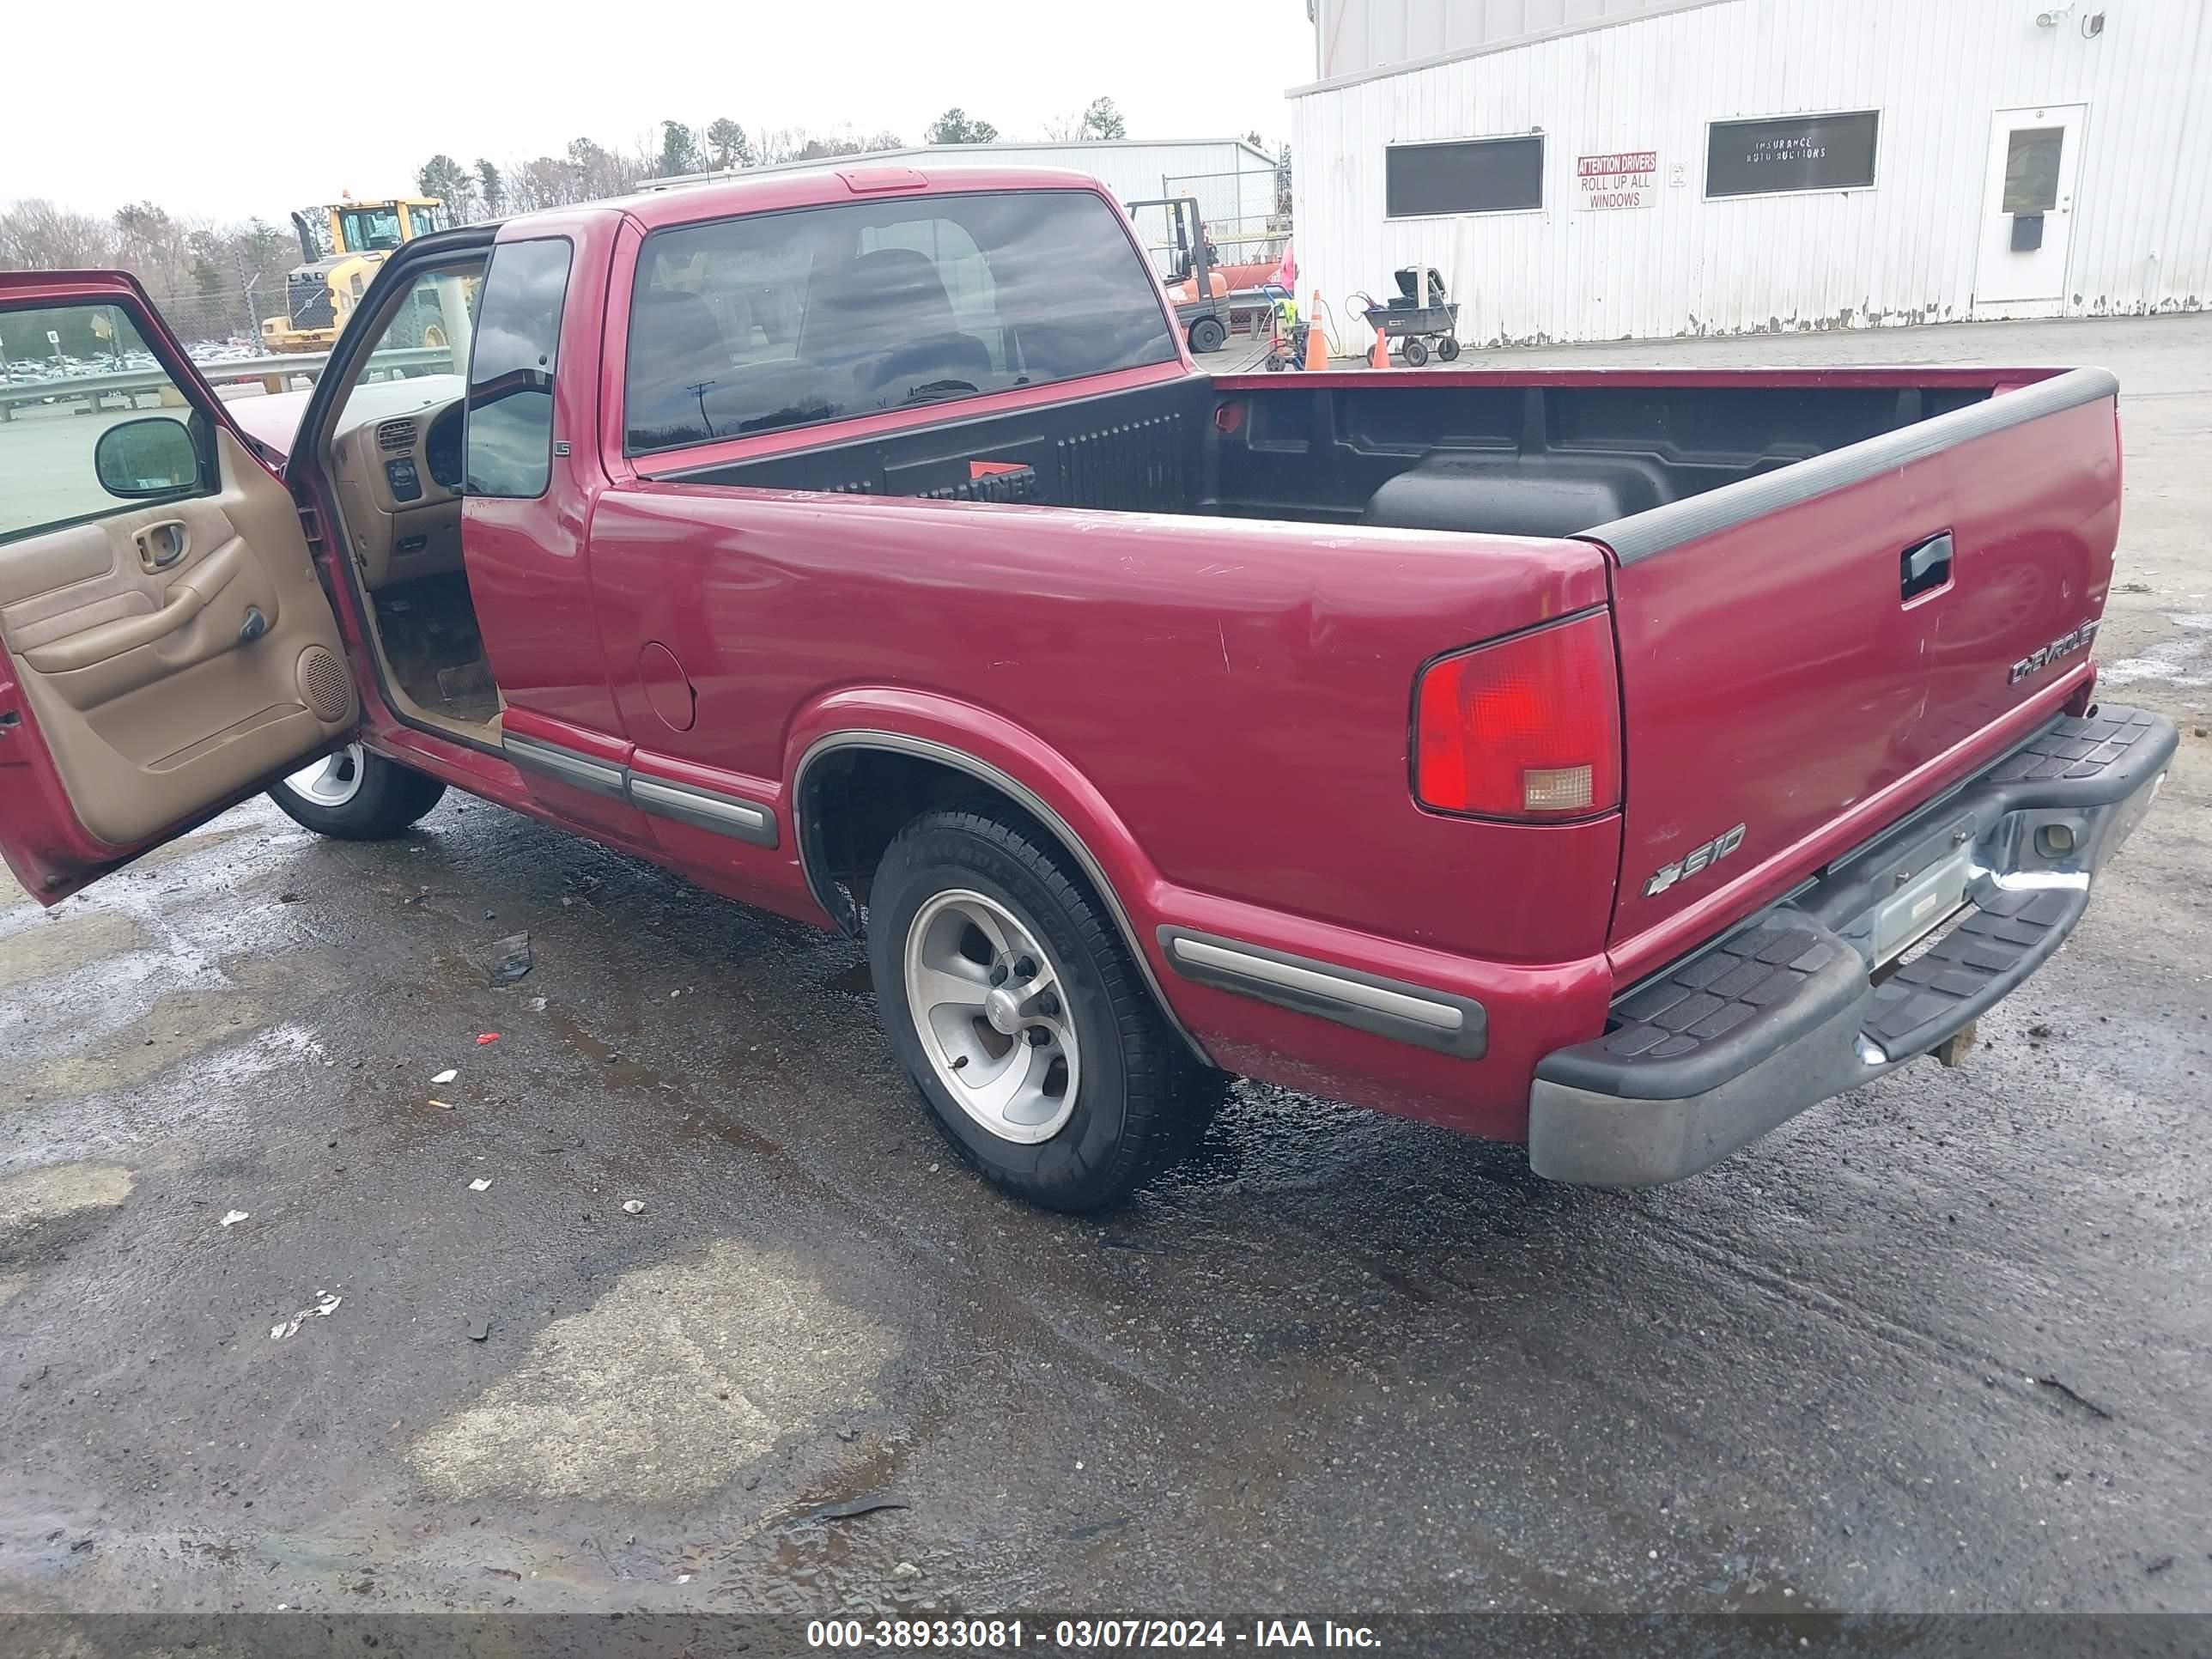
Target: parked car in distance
x=1616 y=760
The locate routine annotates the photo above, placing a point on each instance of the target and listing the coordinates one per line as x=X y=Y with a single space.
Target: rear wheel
x=1013 y=1005
x=1206 y=334
x=1416 y=353
x=354 y=795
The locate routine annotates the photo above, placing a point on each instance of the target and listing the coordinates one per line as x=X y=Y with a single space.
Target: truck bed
x=1786 y=680
x=1520 y=455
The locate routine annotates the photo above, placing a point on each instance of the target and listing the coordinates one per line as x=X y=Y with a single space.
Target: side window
x=90 y=422
x=783 y=319
x=510 y=443
x=369 y=229
x=429 y=332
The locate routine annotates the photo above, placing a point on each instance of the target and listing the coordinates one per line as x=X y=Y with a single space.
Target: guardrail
x=276 y=373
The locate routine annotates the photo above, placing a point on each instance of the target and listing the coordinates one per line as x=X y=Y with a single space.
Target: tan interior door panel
x=165 y=652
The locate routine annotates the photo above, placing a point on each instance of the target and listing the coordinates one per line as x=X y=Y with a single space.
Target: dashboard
x=396 y=459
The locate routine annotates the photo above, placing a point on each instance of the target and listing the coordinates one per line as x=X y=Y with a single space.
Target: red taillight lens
x=1528 y=727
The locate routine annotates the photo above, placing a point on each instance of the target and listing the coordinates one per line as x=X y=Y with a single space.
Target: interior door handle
x=189 y=594
x=1925 y=567
x=160 y=545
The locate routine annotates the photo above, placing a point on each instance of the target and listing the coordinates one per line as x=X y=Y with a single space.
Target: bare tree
x=600 y=173
x=38 y=234
x=208 y=280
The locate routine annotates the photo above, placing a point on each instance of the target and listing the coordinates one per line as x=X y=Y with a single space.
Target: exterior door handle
x=160 y=545
x=1925 y=567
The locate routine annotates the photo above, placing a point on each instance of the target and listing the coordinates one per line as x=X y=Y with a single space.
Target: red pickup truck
x=1616 y=760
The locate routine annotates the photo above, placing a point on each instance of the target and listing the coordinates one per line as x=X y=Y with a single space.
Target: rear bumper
x=1790 y=1008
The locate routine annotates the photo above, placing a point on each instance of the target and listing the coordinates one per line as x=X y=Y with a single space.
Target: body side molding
x=1412 y=1014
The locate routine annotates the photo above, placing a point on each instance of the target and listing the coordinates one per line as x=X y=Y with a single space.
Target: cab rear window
x=783 y=319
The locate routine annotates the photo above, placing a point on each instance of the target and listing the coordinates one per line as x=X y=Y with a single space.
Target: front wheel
x=1447 y=348
x=354 y=795
x=1416 y=353
x=1206 y=334
x=1013 y=1005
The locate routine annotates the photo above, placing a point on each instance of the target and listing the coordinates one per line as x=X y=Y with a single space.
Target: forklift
x=1204 y=315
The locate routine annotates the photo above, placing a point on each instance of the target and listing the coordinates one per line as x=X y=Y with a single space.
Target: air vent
x=395 y=435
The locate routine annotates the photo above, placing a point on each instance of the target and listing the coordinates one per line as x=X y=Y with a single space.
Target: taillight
x=1528 y=727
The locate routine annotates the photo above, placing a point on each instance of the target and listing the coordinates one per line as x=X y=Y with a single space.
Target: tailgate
x=1795 y=643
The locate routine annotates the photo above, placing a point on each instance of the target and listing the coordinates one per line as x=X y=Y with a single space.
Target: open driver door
x=168 y=647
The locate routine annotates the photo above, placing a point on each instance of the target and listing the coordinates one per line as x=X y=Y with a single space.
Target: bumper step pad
x=1916 y=1007
x=2076 y=748
x=1788 y=1011
x=1762 y=967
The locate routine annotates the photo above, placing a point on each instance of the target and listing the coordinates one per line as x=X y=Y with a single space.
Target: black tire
x=1416 y=353
x=388 y=799
x=1447 y=348
x=1206 y=334
x=1143 y=1101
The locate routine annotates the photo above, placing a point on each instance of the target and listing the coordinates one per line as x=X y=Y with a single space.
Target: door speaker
x=323 y=686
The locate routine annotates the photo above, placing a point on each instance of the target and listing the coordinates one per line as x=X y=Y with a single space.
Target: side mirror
x=154 y=456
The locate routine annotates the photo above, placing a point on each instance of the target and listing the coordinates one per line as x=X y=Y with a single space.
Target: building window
x=1791 y=153
x=2031 y=182
x=1474 y=175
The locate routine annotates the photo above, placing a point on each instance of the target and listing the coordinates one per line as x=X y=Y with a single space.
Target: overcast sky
x=167 y=101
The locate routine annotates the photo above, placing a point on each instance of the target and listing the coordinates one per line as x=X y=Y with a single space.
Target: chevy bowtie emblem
x=1697 y=858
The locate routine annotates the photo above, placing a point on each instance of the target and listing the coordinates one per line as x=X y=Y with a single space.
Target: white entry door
x=2027 y=212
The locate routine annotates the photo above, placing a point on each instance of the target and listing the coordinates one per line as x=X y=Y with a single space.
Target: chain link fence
x=1247 y=214
x=210 y=327
x=203 y=321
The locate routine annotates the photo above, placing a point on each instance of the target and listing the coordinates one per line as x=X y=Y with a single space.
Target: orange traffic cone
x=1317 y=345
x=1378 y=355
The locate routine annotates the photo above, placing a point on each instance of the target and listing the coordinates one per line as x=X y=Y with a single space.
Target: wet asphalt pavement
x=1941 y=1345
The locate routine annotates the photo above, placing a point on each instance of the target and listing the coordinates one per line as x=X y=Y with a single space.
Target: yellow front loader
x=342 y=243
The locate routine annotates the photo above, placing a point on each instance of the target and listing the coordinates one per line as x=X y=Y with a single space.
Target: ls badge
x=1697 y=858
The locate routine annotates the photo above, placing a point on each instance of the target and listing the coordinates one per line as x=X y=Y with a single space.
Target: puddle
x=40 y=1195
x=855 y=980
x=48 y=947
x=180 y=1025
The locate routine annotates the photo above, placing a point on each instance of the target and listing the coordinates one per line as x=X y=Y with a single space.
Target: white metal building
x=1605 y=170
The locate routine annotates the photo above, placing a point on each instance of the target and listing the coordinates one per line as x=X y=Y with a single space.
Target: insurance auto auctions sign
x=1627 y=179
